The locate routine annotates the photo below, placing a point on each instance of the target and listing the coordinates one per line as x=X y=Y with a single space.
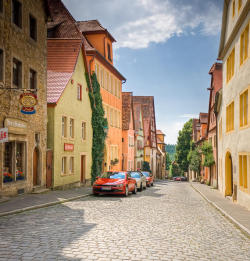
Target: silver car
x=140 y=179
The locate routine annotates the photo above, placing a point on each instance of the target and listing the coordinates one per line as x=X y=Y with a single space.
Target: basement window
x=17 y=13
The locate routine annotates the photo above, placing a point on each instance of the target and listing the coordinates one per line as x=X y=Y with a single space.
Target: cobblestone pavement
x=169 y=221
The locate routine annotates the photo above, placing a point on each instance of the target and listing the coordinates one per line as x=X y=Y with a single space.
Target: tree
x=194 y=158
x=168 y=161
x=175 y=169
x=146 y=166
x=183 y=146
x=170 y=149
x=207 y=151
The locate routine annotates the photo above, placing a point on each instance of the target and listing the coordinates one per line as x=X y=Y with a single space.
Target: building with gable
x=233 y=115
x=23 y=68
x=149 y=126
x=161 y=145
x=128 y=132
x=99 y=53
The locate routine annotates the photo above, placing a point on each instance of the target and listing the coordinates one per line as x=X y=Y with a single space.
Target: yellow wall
x=80 y=111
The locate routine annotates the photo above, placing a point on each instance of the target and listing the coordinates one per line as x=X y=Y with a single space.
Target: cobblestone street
x=169 y=221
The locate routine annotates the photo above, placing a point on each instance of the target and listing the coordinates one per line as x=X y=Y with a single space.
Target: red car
x=120 y=183
x=149 y=178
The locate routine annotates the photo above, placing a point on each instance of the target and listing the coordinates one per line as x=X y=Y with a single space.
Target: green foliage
x=194 y=158
x=176 y=171
x=98 y=124
x=170 y=149
x=183 y=146
x=146 y=166
x=207 y=151
x=168 y=161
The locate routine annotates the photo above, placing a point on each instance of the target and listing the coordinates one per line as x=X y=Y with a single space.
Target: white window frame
x=84 y=130
x=64 y=127
x=71 y=164
x=72 y=128
x=64 y=165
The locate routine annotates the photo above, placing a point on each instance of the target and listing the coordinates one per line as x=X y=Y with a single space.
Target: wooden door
x=35 y=167
x=49 y=161
x=83 y=169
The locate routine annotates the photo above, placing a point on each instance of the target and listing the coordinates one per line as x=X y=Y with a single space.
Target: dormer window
x=109 y=52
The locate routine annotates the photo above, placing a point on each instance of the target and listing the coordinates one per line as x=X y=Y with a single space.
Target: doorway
x=35 y=166
x=228 y=175
x=83 y=169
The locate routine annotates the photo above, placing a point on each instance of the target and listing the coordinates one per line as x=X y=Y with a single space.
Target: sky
x=164 y=48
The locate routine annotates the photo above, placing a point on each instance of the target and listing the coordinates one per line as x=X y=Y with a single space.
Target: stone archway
x=228 y=175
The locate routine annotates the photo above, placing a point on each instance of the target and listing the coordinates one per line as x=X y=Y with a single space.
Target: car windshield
x=113 y=175
x=135 y=175
x=145 y=173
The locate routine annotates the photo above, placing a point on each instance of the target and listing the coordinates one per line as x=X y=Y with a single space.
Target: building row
x=226 y=124
x=46 y=127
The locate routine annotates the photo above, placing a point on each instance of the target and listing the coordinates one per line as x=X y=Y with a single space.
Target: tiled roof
x=93 y=26
x=63 y=24
x=62 y=58
x=203 y=117
x=126 y=109
x=159 y=132
x=137 y=112
x=56 y=82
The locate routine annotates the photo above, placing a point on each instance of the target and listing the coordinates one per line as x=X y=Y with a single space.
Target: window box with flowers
x=19 y=175
x=7 y=177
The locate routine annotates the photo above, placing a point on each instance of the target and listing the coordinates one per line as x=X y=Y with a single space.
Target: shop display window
x=14 y=161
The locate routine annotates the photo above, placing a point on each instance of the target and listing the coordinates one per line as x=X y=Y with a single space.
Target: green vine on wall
x=99 y=123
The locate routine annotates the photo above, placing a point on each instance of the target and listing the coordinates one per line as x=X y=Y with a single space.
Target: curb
x=243 y=229
x=42 y=205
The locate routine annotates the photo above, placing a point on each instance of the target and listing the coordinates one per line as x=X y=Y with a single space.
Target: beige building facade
x=23 y=70
x=233 y=117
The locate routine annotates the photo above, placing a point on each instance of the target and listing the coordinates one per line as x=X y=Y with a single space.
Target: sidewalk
x=32 y=201
x=239 y=215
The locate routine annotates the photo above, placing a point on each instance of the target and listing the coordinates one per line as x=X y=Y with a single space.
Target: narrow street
x=169 y=221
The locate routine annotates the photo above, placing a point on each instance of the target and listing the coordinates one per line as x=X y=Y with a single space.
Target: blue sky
x=164 y=48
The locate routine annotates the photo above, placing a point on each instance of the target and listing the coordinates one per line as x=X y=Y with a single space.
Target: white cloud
x=137 y=23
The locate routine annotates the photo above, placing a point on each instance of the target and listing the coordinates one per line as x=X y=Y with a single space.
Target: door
x=49 y=160
x=35 y=166
x=83 y=169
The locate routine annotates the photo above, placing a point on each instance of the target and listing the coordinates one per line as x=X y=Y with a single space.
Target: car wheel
x=135 y=189
x=141 y=187
x=126 y=191
x=152 y=184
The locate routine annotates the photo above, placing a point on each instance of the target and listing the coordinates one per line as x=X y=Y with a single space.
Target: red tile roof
x=62 y=58
x=127 y=109
x=159 y=132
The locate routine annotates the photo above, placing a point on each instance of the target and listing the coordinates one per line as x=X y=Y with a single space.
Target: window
x=14 y=161
x=107 y=81
x=239 y=4
x=109 y=52
x=17 y=73
x=64 y=126
x=33 y=28
x=244 y=42
x=17 y=13
x=71 y=128
x=230 y=65
x=243 y=171
x=230 y=117
x=110 y=83
x=233 y=9
x=33 y=80
x=111 y=117
x=1 y=6
x=84 y=130
x=64 y=160
x=244 y=109
x=102 y=78
x=1 y=65
x=71 y=165
x=79 y=92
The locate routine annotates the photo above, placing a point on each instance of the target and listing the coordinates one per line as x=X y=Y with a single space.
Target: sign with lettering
x=3 y=135
x=15 y=126
x=68 y=147
x=28 y=101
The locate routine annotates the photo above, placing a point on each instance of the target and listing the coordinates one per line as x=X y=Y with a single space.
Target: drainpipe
x=217 y=172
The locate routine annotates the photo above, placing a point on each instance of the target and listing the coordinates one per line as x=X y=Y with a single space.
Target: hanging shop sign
x=68 y=147
x=28 y=102
x=3 y=135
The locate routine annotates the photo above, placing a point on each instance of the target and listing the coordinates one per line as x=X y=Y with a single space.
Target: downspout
x=217 y=172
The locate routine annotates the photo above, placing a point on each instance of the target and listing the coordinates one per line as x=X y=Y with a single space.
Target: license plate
x=106 y=188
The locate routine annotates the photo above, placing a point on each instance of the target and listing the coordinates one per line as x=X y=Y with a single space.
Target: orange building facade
x=99 y=52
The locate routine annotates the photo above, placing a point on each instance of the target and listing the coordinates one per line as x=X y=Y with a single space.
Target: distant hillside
x=170 y=149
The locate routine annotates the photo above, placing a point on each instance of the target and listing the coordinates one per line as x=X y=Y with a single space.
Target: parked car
x=177 y=178
x=149 y=178
x=183 y=178
x=120 y=183
x=141 y=180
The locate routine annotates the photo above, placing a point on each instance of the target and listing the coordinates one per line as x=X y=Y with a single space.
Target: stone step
x=40 y=190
